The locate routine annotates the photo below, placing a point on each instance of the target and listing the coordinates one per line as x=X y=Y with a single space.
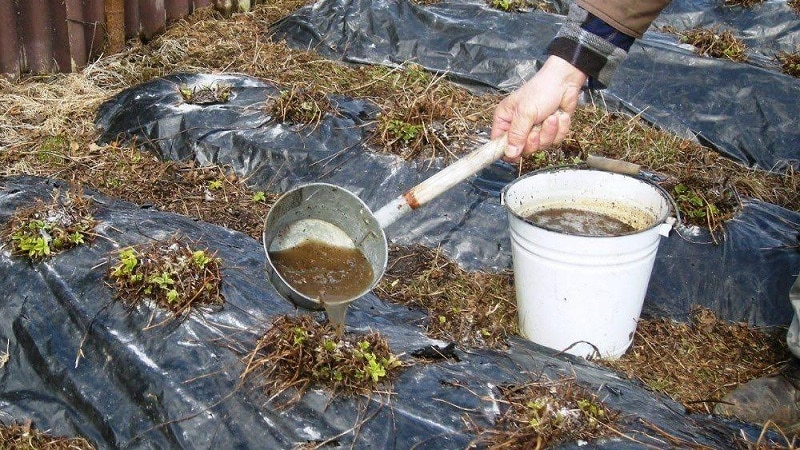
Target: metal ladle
x=332 y=215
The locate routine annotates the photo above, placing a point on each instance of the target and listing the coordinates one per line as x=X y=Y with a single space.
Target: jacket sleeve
x=597 y=44
x=630 y=17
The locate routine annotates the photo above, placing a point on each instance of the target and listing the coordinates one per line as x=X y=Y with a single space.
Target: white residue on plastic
x=131 y=345
x=494 y=409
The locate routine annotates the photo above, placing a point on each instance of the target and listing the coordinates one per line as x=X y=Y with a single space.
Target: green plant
x=205 y=95
x=259 y=196
x=53 y=149
x=200 y=259
x=591 y=410
x=44 y=229
x=693 y=205
x=297 y=351
x=171 y=273
x=213 y=185
x=507 y=5
x=403 y=131
x=128 y=262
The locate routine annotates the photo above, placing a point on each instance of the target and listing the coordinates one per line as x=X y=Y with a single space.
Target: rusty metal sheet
x=176 y=9
x=153 y=15
x=37 y=39
x=9 y=39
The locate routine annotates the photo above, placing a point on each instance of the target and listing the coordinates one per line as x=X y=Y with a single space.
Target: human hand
x=538 y=114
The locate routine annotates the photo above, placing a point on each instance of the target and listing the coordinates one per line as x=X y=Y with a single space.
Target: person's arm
x=538 y=114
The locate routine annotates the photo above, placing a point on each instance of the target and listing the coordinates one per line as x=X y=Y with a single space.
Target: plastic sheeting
x=746 y=277
x=82 y=364
x=744 y=110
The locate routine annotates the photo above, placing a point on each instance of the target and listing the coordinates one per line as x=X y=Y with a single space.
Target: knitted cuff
x=591 y=45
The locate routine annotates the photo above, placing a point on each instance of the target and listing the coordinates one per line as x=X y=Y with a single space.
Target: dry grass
x=790 y=63
x=298 y=352
x=25 y=437
x=743 y=3
x=795 y=5
x=305 y=107
x=422 y=115
x=713 y=42
x=425 y=115
x=697 y=363
x=545 y=413
x=468 y=308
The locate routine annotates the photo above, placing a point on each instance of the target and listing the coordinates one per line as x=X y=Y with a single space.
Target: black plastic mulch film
x=82 y=364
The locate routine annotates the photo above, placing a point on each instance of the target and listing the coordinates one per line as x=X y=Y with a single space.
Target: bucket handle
x=635 y=170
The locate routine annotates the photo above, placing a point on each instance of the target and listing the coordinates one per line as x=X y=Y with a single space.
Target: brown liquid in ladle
x=321 y=271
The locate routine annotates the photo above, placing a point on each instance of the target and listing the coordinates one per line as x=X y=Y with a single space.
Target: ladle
x=334 y=216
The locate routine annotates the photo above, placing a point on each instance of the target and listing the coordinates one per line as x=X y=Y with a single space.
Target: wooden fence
x=46 y=36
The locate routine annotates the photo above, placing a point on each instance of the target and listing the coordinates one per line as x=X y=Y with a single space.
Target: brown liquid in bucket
x=579 y=222
x=328 y=273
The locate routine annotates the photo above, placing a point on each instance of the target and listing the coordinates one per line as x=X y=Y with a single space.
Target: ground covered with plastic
x=86 y=364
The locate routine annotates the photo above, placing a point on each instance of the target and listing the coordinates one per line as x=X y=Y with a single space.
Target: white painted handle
x=441 y=181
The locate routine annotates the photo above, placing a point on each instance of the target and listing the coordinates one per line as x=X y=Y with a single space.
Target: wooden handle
x=456 y=172
x=441 y=181
x=613 y=165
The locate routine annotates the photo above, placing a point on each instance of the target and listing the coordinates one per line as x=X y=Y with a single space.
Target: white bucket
x=583 y=294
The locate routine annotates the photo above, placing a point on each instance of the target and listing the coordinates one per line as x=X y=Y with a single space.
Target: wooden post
x=115 y=26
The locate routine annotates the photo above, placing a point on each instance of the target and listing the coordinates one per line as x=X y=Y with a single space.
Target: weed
x=790 y=63
x=547 y=413
x=214 y=185
x=403 y=131
x=53 y=149
x=172 y=273
x=260 y=196
x=205 y=95
x=45 y=229
x=297 y=352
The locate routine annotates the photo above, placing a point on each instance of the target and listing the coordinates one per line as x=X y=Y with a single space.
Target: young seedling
x=508 y=5
x=297 y=352
x=205 y=95
x=172 y=273
x=420 y=120
x=45 y=229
